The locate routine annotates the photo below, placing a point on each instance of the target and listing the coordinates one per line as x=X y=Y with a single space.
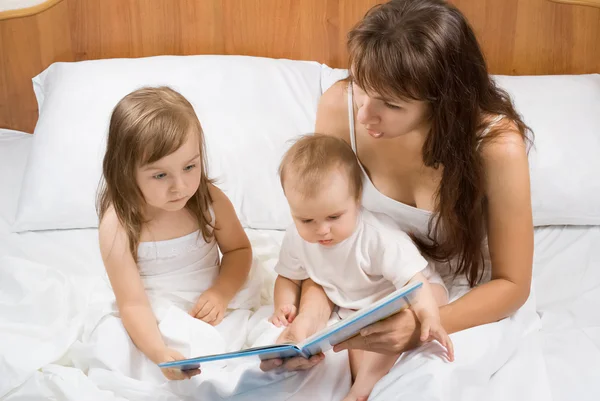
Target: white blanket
x=83 y=352
x=480 y=352
x=54 y=298
x=66 y=324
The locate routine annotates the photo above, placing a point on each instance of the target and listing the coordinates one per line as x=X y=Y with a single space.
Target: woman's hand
x=391 y=336
x=302 y=327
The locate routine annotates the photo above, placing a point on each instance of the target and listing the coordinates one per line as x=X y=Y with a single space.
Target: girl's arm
x=510 y=241
x=133 y=304
x=234 y=245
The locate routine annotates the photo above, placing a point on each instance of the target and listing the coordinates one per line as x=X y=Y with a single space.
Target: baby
x=356 y=256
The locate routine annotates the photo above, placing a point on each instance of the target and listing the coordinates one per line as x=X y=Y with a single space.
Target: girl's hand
x=210 y=307
x=396 y=334
x=284 y=316
x=170 y=355
x=302 y=327
x=431 y=329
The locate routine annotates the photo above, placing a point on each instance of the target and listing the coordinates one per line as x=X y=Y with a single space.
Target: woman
x=445 y=154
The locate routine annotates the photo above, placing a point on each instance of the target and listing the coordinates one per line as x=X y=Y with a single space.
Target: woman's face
x=388 y=118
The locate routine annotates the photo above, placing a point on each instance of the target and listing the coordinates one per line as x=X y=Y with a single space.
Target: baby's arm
x=133 y=304
x=427 y=311
x=235 y=265
x=287 y=298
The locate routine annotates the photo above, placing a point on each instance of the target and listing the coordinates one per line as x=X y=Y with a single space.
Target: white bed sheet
x=567 y=278
x=562 y=362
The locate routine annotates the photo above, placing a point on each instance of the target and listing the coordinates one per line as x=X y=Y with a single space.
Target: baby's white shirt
x=373 y=262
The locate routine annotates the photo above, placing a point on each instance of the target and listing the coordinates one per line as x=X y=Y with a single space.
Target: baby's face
x=327 y=218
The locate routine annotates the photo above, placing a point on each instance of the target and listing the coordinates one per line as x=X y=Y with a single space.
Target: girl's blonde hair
x=147 y=125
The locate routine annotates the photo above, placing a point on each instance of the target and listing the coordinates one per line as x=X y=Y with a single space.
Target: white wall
x=15 y=4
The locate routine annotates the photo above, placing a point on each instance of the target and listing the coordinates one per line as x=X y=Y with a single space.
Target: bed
x=50 y=268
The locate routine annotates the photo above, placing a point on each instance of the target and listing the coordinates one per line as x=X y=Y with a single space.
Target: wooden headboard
x=519 y=37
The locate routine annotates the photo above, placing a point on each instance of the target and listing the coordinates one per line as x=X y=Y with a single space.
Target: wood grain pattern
x=519 y=37
x=592 y=3
x=27 y=11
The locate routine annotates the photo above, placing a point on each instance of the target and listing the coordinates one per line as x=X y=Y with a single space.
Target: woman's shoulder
x=332 y=112
x=503 y=140
x=504 y=154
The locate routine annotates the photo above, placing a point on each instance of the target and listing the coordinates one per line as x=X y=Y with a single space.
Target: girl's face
x=388 y=118
x=170 y=182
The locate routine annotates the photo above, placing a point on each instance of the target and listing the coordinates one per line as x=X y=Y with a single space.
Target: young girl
x=162 y=222
x=358 y=257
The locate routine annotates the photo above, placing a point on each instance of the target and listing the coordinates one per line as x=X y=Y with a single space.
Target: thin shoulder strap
x=351 y=118
x=491 y=125
x=487 y=130
x=211 y=211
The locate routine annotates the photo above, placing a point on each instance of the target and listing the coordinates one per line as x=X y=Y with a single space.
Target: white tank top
x=410 y=219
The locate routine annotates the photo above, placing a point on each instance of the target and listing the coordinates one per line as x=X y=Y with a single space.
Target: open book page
x=325 y=339
x=322 y=341
x=264 y=352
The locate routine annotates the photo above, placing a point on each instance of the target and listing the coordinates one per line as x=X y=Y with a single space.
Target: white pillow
x=14 y=148
x=563 y=111
x=249 y=108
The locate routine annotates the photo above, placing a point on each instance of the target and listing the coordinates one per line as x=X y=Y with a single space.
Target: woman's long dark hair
x=426 y=50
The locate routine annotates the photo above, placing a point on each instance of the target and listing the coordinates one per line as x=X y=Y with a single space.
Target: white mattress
x=561 y=362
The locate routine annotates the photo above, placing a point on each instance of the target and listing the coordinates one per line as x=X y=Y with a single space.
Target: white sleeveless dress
x=422 y=374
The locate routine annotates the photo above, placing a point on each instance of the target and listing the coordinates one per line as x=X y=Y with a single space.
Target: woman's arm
x=510 y=240
x=133 y=304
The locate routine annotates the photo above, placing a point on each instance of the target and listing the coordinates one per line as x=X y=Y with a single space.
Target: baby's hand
x=284 y=315
x=210 y=307
x=431 y=329
x=170 y=355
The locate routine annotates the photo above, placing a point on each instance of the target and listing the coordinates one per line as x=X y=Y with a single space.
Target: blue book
x=321 y=341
